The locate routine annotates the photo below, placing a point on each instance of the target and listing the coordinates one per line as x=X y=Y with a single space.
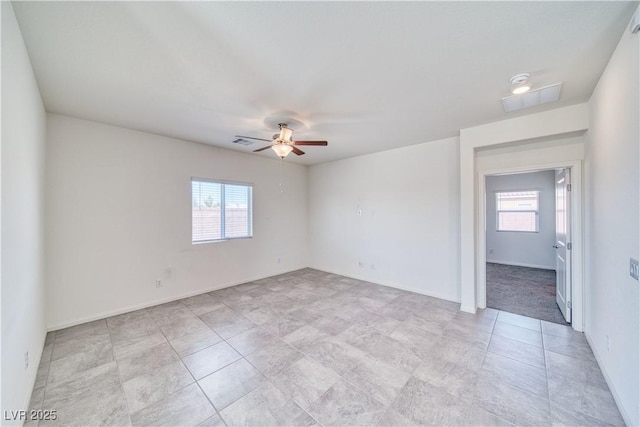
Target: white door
x=562 y=244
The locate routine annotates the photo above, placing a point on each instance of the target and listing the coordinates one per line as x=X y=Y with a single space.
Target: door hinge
x=569 y=246
x=568 y=187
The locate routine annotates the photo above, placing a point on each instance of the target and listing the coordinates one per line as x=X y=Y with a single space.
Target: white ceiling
x=366 y=76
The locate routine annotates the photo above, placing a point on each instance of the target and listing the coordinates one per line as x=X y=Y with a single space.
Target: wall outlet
x=26 y=360
x=373 y=267
x=158 y=283
x=608 y=343
x=360 y=264
x=490 y=251
x=278 y=260
x=633 y=268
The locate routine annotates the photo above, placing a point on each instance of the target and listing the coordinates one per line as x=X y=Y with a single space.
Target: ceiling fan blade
x=250 y=137
x=297 y=151
x=263 y=148
x=311 y=143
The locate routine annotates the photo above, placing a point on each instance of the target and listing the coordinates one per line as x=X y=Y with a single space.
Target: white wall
x=612 y=224
x=119 y=216
x=23 y=147
x=407 y=235
x=524 y=249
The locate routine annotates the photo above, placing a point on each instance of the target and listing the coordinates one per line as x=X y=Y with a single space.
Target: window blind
x=517 y=211
x=220 y=211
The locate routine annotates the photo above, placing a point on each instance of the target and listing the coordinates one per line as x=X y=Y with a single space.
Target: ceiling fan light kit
x=282 y=150
x=282 y=143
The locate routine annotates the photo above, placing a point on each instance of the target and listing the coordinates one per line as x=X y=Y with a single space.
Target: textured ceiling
x=366 y=76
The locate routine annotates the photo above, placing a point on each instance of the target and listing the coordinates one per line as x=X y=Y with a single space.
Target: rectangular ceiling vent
x=532 y=98
x=242 y=141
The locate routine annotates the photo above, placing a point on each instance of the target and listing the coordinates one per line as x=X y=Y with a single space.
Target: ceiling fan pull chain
x=282 y=175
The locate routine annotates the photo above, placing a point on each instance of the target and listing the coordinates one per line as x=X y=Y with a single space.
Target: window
x=220 y=211
x=517 y=211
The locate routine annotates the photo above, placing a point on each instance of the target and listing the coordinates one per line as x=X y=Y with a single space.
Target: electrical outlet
x=633 y=268
x=608 y=343
x=360 y=264
x=490 y=251
x=373 y=267
x=278 y=260
x=158 y=283
x=26 y=360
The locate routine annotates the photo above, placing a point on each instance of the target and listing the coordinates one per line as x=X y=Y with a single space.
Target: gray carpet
x=523 y=290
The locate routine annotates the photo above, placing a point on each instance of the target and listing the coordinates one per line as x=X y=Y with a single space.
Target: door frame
x=577 y=280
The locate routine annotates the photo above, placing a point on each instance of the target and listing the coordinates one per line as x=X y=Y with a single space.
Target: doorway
x=528 y=248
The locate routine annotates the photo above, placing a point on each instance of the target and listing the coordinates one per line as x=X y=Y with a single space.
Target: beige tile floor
x=312 y=348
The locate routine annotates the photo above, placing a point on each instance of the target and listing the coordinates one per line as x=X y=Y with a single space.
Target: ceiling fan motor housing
x=284 y=137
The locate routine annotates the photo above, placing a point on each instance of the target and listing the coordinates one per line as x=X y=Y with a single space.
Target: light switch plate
x=633 y=268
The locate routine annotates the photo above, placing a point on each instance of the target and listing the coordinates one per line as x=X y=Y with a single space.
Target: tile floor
x=312 y=348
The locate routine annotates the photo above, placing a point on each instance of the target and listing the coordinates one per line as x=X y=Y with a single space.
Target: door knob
x=556 y=246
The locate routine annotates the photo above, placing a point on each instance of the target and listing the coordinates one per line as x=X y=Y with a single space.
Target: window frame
x=535 y=211
x=224 y=183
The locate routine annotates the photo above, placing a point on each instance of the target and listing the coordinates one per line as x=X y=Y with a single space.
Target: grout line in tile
x=306 y=354
x=121 y=383
x=192 y=376
x=209 y=400
x=546 y=377
x=390 y=406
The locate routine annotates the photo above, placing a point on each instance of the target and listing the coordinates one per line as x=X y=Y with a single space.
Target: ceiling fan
x=282 y=143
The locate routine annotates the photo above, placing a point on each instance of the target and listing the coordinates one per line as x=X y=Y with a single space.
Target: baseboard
x=27 y=399
x=135 y=307
x=387 y=284
x=614 y=393
x=522 y=264
x=468 y=309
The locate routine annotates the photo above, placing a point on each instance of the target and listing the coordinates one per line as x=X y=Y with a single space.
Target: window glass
x=517 y=211
x=220 y=211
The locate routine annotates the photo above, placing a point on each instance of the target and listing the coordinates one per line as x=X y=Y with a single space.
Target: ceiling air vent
x=242 y=141
x=532 y=98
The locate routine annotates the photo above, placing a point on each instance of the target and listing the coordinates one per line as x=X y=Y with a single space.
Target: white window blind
x=517 y=211
x=220 y=211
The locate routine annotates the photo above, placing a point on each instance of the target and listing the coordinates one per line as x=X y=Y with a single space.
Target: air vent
x=242 y=141
x=532 y=98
